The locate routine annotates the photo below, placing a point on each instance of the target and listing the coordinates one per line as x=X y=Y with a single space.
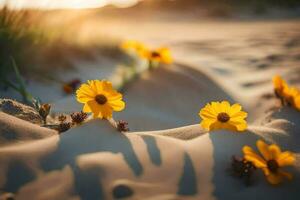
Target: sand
x=93 y=160
x=167 y=155
x=14 y=130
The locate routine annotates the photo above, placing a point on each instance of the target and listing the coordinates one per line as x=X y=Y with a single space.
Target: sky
x=76 y=4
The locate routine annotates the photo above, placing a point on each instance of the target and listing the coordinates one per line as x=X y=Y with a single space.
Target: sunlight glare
x=67 y=4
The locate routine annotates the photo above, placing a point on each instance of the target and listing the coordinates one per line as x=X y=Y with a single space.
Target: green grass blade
x=22 y=88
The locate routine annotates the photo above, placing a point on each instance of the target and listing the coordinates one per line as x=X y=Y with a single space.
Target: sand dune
x=95 y=161
x=167 y=155
x=14 y=130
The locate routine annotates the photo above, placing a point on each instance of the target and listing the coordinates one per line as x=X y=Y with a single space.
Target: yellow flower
x=287 y=94
x=161 y=55
x=220 y=115
x=297 y=102
x=291 y=94
x=279 y=85
x=132 y=45
x=100 y=98
x=271 y=161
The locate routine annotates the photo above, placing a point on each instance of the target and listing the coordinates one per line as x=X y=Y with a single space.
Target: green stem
x=22 y=88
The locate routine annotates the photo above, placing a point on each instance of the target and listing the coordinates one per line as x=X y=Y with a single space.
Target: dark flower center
x=272 y=166
x=223 y=117
x=101 y=99
x=155 y=54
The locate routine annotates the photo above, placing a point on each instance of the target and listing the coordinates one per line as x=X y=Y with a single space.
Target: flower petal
x=228 y=126
x=240 y=114
x=206 y=123
x=287 y=175
x=86 y=108
x=225 y=106
x=117 y=105
x=274 y=179
x=113 y=96
x=85 y=94
x=264 y=149
x=165 y=55
x=241 y=125
x=94 y=84
x=106 y=111
x=274 y=151
x=250 y=155
x=216 y=107
x=235 y=108
x=286 y=159
x=107 y=86
x=266 y=171
x=216 y=125
x=95 y=108
x=207 y=113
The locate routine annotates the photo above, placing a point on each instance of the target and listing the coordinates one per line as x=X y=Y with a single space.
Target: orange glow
x=66 y=4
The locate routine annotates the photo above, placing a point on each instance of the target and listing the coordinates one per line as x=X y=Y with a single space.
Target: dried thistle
x=71 y=86
x=67 y=89
x=78 y=117
x=62 y=118
x=63 y=127
x=242 y=169
x=44 y=111
x=75 y=83
x=122 y=126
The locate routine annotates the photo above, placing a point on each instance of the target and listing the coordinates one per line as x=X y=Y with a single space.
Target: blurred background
x=51 y=43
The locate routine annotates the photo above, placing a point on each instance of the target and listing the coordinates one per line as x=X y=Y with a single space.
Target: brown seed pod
x=78 y=117
x=44 y=111
x=242 y=169
x=122 y=126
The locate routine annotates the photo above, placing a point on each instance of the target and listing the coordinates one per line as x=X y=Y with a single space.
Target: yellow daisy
x=279 y=85
x=161 y=55
x=100 y=98
x=291 y=94
x=220 y=115
x=271 y=161
x=288 y=95
x=297 y=102
x=132 y=45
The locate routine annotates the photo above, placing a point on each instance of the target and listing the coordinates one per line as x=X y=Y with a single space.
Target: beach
x=166 y=154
